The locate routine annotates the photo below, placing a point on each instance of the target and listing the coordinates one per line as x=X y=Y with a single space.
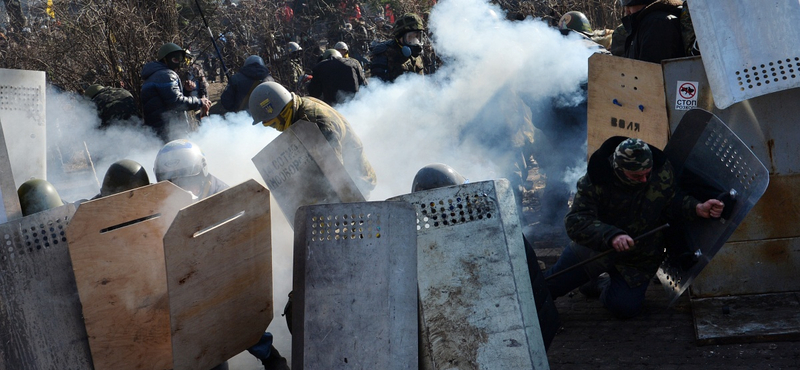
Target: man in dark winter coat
x=653 y=28
x=390 y=59
x=335 y=78
x=629 y=189
x=163 y=101
x=237 y=93
x=113 y=104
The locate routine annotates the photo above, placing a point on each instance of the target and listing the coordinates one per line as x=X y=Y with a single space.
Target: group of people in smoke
x=624 y=174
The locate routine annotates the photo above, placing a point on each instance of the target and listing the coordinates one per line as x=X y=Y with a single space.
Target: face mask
x=283 y=120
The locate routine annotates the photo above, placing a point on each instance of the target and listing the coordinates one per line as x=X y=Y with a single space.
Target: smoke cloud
x=495 y=75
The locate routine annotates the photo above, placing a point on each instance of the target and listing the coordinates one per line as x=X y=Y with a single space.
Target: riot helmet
x=330 y=53
x=37 y=195
x=122 y=176
x=575 y=21
x=271 y=105
x=341 y=47
x=182 y=163
x=434 y=176
x=294 y=47
x=93 y=90
x=254 y=59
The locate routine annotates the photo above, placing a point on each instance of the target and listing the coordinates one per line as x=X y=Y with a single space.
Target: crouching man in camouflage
x=629 y=189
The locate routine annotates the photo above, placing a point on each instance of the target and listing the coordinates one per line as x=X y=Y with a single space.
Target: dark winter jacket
x=604 y=207
x=336 y=79
x=162 y=98
x=387 y=62
x=654 y=32
x=237 y=93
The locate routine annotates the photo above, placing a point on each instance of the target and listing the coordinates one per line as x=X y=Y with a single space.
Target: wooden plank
x=626 y=98
x=11 y=209
x=40 y=313
x=300 y=168
x=116 y=245
x=219 y=273
x=747 y=319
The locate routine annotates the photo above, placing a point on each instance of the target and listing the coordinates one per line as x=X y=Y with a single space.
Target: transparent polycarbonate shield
x=710 y=162
x=22 y=112
x=40 y=314
x=749 y=48
x=476 y=301
x=300 y=168
x=355 y=287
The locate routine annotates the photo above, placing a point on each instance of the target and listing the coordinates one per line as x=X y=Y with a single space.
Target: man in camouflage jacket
x=390 y=59
x=628 y=190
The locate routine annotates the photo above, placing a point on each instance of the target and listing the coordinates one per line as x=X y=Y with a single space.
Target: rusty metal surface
x=40 y=311
x=751 y=267
x=477 y=304
x=708 y=155
x=355 y=292
x=300 y=168
x=777 y=213
x=757 y=57
x=22 y=110
x=747 y=319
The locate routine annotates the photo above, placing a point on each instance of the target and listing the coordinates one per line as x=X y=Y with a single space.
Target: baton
x=606 y=253
x=213 y=42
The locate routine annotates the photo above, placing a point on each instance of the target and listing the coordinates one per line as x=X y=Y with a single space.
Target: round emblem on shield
x=687 y=90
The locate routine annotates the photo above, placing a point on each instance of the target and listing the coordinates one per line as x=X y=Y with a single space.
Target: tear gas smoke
x=496 y=75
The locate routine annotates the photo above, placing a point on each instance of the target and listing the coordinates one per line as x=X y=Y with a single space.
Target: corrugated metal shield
x=22 y=111
x=749 y=48
x=355 y=292
x=710 y=161
x=476 y=300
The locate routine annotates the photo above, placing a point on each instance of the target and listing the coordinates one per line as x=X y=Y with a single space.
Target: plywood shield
x=478 y=310
x=626 y=98
x=219 y=273
x=757 y=57
x=22 y=111
x=40 y=312
x=301 y=168
x=355 y=294
x=116 y=245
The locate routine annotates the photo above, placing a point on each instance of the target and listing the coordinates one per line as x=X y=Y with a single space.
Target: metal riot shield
x=355 y=294
x=626 y=98
x=300 y=168
x=11 y=209
x=117 y=251
x=757 y=56
x=40 y=312
x=219 y=276
x=710 y=161
x=477 y=307
x=22 y=111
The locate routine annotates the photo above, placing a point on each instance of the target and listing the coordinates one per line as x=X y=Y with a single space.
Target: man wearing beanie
x=653 y=28
x=629 y=189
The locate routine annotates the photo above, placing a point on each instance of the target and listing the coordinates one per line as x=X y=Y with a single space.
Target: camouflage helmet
x=406 y=23
x=122 y=176
x=267 y=100
x=93 y=90
x=331 y=53
x=575 y=21
x=168 y=48
x=180 y=158
x=37 y=195
x=293 y=46
x=633 y=155
x=434 y=176
x=254 y=59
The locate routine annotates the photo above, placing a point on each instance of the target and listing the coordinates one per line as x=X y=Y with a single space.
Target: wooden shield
x=40 y=312
x=300 y=168
x=626 y=98
x=219 y=273
x=116 y=245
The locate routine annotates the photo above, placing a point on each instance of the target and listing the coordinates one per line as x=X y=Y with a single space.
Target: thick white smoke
x=494 y=71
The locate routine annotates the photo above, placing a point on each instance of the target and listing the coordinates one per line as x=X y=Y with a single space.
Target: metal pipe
x=213 y=40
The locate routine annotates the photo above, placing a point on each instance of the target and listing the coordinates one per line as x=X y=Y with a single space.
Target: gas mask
x=412 y=43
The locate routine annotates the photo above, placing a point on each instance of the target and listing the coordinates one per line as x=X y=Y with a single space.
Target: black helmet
x=122 y=176
x=406 y=23
x=37 y=195
x=434 y=176
x=575 y=21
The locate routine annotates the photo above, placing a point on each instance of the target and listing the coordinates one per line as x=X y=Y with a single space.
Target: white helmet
x=341 y=46
x=267 y=100
x=293 y=46
x=184 y=164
